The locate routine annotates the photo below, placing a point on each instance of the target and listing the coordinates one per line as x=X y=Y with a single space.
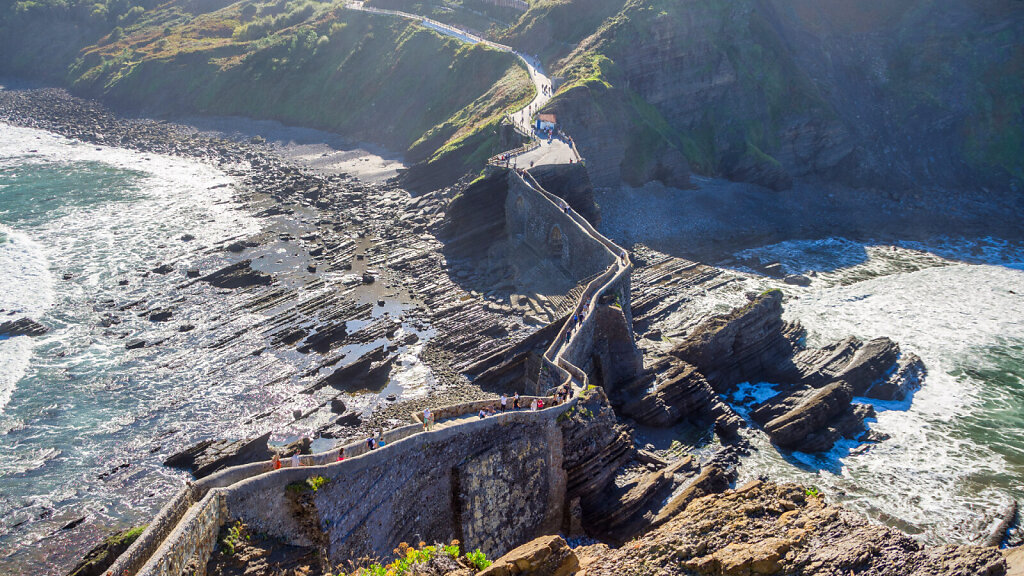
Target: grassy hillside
x=378 y=78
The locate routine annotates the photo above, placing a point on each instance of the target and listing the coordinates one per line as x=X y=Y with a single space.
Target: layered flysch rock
x=812 y=419
x=209 y=456
x=753 y=344
x=671 y=391
x=22 y=327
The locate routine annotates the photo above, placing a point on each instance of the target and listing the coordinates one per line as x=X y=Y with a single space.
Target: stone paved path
x=553 y=152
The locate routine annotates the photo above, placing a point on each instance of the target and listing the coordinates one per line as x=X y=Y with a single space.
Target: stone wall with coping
x=501 y=477
x=193 y=539
x=156 y=532
x=491 y=483
x=538 y=221
x=475 y=406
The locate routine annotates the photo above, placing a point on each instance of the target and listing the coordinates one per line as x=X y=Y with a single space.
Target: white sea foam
x=948 y=308
x=26 y=290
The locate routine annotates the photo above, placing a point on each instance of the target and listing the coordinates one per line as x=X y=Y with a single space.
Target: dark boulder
x=797 y=280
x=210 y=456
x=238 y=275
x=811 y=420
x=160 y=315
x=22 y=327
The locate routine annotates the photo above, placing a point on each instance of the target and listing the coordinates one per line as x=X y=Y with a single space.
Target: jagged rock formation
x=572 y=184
x=812 y=419
x=544 y=556
x=595 y=447
x=22 y=327
x=670 y=391
x=764 y=528
x=237 y=275
x=475 y=219
x=751 y=343
x=766 y=91
x=209 y=456
x=754 y=344
x=602 y=121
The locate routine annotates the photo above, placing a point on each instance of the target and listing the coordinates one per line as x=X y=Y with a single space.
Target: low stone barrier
x=457 y=410
x=186 y=528
x=192 y=541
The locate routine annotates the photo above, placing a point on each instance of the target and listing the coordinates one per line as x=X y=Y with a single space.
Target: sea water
x=76 y=407
x=955 y=456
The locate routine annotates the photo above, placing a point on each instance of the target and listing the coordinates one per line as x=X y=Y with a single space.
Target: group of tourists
x=575 y=322
x=377 y=441
x=294 y=461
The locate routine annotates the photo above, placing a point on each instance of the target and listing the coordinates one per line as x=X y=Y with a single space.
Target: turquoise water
x=83 y=420
x=955 y=458
x=85 y=423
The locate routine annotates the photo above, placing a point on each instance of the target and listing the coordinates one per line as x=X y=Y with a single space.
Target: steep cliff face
x=900 y=94
x=571 y=183
x=753 y=344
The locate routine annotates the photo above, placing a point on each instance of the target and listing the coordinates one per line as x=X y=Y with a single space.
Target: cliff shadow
x=720 y=220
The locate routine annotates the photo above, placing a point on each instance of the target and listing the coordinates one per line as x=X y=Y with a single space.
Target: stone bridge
x=492 y=483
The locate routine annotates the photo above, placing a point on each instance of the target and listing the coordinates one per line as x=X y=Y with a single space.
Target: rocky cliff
x=370 y=77
x=814 y=404
x=902 y=95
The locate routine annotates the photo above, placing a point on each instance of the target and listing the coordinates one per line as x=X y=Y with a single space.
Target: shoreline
x=341 y=226
x=261 y=160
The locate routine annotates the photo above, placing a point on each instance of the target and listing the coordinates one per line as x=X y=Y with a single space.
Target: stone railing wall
x=366 y=505
x=192 y=540
x=538 y=220
x=565 y=356
x=474 y=407
x=184 y=531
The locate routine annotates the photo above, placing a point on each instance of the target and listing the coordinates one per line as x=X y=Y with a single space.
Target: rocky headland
x=447 y=257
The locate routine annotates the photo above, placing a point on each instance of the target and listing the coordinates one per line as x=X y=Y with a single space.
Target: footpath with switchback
x=161 y=548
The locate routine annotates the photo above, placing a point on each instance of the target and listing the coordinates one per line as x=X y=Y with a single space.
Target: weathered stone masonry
x=491 y=483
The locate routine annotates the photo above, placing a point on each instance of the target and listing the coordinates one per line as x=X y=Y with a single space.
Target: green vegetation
x=479 y=16
x=408 y=557
x=552 y=28
x=478 y=559
x=378 y=78
x=583 y=412
x=101 y=557
x=813 y=492
x=236 y=533
x=311 y=484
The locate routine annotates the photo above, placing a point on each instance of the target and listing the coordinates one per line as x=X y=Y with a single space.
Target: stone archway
x=520 y=214
x=555 y=240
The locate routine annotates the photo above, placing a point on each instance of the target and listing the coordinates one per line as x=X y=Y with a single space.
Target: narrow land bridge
x=492 y=483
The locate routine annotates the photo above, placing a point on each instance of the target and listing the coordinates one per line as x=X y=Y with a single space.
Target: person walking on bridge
x=504 y=402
